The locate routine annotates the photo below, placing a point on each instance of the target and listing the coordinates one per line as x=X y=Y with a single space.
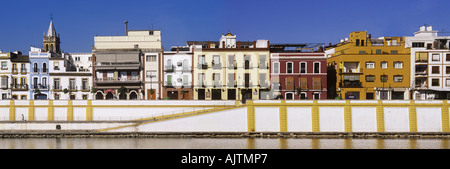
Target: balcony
x=217 y=83
x=276 y=86
x=263 y=84
x=232 y=65
x=186 y=69
x=19 y=86
x=169 y=68
x=421 y=85
x=350 y=84
x=117 y=66
x=56 y=87
x=216 y=66
x=23 y=71
x=14 y=70
x=202 y=66
x=85 y=88
x=35 y=71
x=118 y=80
x=168 y=84
x=40 y=87
x=232 y=83
x=263 y=65
x=200 y=84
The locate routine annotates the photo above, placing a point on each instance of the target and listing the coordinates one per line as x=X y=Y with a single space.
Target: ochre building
x=370 y=68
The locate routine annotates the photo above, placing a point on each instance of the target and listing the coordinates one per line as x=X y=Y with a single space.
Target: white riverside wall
x=267 y=116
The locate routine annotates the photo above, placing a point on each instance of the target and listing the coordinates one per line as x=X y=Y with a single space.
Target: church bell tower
x=51 y=40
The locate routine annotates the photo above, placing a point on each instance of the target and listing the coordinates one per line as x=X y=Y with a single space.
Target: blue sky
x=23 y=23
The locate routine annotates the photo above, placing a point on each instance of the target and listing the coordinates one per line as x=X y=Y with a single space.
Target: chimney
x=370 y=36
x=329 y=44
x=126 y=28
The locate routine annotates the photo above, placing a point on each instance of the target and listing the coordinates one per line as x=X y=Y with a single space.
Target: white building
x=430 y=64
x=5 y=72
x=71 y=79
x=177 y=66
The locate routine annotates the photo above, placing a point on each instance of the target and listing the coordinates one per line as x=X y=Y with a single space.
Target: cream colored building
x=230 y=69
x=132 y=61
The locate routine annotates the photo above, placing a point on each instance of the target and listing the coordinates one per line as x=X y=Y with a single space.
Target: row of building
x=135 y=66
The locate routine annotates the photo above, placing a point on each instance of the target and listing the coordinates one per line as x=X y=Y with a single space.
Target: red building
x=298 y=71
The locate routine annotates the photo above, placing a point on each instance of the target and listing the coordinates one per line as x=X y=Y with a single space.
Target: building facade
x=177 y=78
x=20 y=86
x=70 y=81
x=430 y=64
x=298 y=72
x=230 y=69
x=5 y=75
x=371 y=68
x=119 y=64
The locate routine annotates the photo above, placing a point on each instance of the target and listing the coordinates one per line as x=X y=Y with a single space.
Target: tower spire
x=51 y=29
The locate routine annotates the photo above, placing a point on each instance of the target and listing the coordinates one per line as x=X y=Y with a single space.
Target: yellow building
x=230 y=70
x=371 y=68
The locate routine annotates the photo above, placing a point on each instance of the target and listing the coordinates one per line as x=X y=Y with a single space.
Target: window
x=434 y=82
x=276 y=67
x=362 y=52
x=357 y=42
x=185 y=64
x=398 y=78
x=435 y=70
x=56 y=65
x=303 y=67
x=418 y=44
x=35 y=83
x=384 y=65
x=370 y=65
x=369 y=96
x=150 y=32
x=84 y=84
x=151 y=58
x=231 y=61
x=394 y=52
x=289 y=67
x=4 y=82
x=447 y=82
x=316 y=67
x=316 y=96
x=435 y=57
x=43 y=83
x=44 y=67
x=71 y=84
x=303 y=83
x=370 y=78
x=289 y=83
x=289 y=96
x=317 y=83
x=185 y=80
x=303 y=96
x=56 y=84
x=421 y=57
x=398 y=65
x=383 y=78
x=447 y=69
x=35 y=67
x=378 y=51
x=4 y=65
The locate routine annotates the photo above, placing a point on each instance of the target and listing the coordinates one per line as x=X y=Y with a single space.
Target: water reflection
x=220 y=143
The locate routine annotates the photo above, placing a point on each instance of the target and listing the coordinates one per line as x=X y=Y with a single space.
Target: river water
x=220 y=143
